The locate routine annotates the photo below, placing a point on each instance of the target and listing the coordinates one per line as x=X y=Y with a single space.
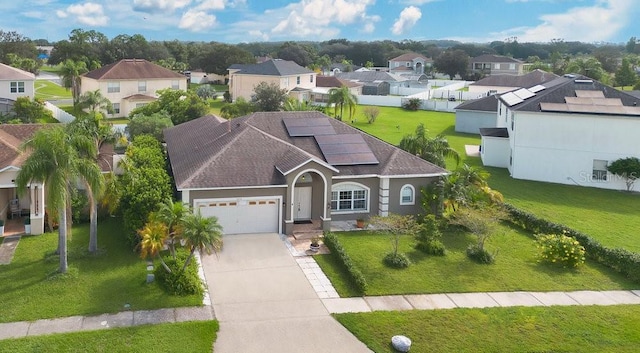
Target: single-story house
x=565 y=131
x=476 y=114
x=324 y=84
x=267 y=171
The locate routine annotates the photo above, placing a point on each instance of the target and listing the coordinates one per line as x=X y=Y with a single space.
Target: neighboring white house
x=489 y=64
x=566 y=131
x=14 y=83
x=131 y=83
x=297 y=80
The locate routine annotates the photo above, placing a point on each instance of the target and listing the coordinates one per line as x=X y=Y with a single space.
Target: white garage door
x=243 y=215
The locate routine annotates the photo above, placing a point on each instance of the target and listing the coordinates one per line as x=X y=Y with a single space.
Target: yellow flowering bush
x=560 y=249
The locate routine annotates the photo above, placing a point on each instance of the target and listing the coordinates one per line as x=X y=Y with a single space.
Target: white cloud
x=419 y=2
x=599 y=22
x=408 y=18
x=35 y=14
x=211 y=5
x=159 y=6
x=260 y=35
x=90 y=14
x=319 y=17
x=197 y=21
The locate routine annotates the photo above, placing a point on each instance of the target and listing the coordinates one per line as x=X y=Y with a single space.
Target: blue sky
x=234 y=21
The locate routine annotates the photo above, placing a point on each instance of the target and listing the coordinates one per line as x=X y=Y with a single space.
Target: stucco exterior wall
x=470 y=122
x=395 y=186
x=5 y=89
x=495 y=151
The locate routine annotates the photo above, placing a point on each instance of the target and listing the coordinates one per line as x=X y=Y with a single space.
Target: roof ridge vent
x=569 y=75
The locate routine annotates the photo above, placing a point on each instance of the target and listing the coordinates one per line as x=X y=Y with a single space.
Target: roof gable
x=410 y=57
x=273 y=68
x=11 y=73
x=133 y=69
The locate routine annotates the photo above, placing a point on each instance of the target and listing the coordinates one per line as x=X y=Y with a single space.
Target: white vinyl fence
x=59 y=114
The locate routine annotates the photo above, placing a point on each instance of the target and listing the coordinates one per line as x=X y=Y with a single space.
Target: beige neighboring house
x=14 y=83
x=297 y=80
x=131 y=83
x=489 y=64
x=324 y=84
x=412 y=63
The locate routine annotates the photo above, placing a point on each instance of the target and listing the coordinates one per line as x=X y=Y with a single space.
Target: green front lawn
x=516 y=267
x=178 y=337
x=95 y=284
x=520 y=329
x=48 y=90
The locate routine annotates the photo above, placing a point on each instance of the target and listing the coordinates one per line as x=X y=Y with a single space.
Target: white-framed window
x=599 y=169
x=17 y=86
x=512 y=66
x=175 y=84
x=496 y=66
x=113 y=87
x=142 y=86
x=297 y=80
x=138 y=105
x=310 y=78
x=349 y=197
x=407 y=195
x=116 y=108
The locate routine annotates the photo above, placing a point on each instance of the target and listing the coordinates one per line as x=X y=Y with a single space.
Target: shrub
x=396 y=260
x=432 y=247
x=412 y=104
x=332 y=242
x=371 y=113
x=560 y=249
x=179 y=282
x=480 y=255
x=428 y=237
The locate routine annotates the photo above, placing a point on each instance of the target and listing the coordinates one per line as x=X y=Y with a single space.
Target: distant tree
x=432 y=149
x=237 y=109
x=301 y=54
x=588 y=66
x=340 y=97
x=206 y=92
x=70 y=73
x=153 y=125
x=12 y=42
x=217 y=58
x=26 y=64
x=452 y=63
x=94 y=101
x=627 y=168
x=268 y=97
x=182 y=106
x=608 y=56
x=632 y=46
x=31 y=111
x=625 y=76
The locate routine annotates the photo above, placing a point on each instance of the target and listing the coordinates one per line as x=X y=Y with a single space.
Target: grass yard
x=607 y=215
x=520 y=329
x=94 y=285
x=516 y=267
x=178 y=337
x=48 y=90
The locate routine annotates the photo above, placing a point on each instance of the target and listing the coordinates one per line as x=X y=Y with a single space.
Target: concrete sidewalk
x=104 y=321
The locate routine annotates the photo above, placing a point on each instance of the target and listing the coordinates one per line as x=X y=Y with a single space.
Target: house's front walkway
x=8 y=248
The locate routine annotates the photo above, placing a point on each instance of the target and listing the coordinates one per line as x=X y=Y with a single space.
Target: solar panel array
x=301 y=127
x=524 y=93
x=511 y=99
x=537 y=88
x=345 y=149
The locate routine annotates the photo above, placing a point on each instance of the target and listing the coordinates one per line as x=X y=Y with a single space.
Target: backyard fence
x=59 y=114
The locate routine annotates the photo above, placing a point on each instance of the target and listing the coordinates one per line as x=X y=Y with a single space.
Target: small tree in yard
x=483 y=224
x=428 y=237
x=627 y=168
x=371 y=113
x=268 y=97
x=396 y=226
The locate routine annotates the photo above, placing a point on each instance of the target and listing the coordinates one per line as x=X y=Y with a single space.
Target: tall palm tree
x=95 y=102
x=340 y=97
x=70 y=73
x=201 y=233
x=432 y=149
x=54 y=161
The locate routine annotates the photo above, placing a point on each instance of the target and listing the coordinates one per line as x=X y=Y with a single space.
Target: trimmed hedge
x=180 y=282
x=620 y=260
x=332 y=242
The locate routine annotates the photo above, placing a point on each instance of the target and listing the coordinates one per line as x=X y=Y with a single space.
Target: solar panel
x=524 y=93
x=299 y=127
x=511 y=99
x=345 y=149
x=589 y=94
x=537 y=88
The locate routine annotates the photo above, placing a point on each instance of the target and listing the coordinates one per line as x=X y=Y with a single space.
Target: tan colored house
x=489 y=64
x=131 y=83
x=324 y=84
x=14 y=83
x=297 y=80
x=412 y=63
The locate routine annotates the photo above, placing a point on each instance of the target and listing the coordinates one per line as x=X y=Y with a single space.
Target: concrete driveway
x=265 y=303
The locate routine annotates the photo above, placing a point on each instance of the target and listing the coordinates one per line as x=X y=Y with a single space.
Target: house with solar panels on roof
x=564 y=131
x=268 y=171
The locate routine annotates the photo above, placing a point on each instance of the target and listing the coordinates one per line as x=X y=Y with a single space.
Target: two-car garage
x=244 y=214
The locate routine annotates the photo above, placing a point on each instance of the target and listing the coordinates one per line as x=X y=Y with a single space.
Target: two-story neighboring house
x=131 y=83
x=14 y=83
x=489 y=64
x=411 y=63
x=565 y=131
x=297 y=80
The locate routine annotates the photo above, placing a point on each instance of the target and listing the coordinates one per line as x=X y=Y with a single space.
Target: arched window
x=407 y=195
x=348 y=197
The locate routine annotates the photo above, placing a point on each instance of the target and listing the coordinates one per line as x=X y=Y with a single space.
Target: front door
x=302 y=203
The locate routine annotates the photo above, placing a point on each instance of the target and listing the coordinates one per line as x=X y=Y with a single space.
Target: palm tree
x=434 y=150
x=95 y=102
x=201 y=233
x=171 y=214
x=152 y=241
x=340 y=97
x=70 y=74
x=54 y=161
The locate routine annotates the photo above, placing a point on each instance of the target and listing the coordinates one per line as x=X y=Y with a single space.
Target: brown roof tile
x=133 y=69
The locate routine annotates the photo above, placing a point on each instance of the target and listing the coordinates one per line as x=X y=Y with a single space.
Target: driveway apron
x=265 y=303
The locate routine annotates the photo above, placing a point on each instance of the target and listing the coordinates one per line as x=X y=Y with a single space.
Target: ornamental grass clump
x=560 y=249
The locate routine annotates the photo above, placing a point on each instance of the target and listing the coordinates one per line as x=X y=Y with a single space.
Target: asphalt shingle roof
x=535 y=77
x=409 y=57
x=133 y=69
x=490 y=58
x=370 y=76
x=256 y=150
x=486 y=104
x=273 y=68
x=11 y=73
